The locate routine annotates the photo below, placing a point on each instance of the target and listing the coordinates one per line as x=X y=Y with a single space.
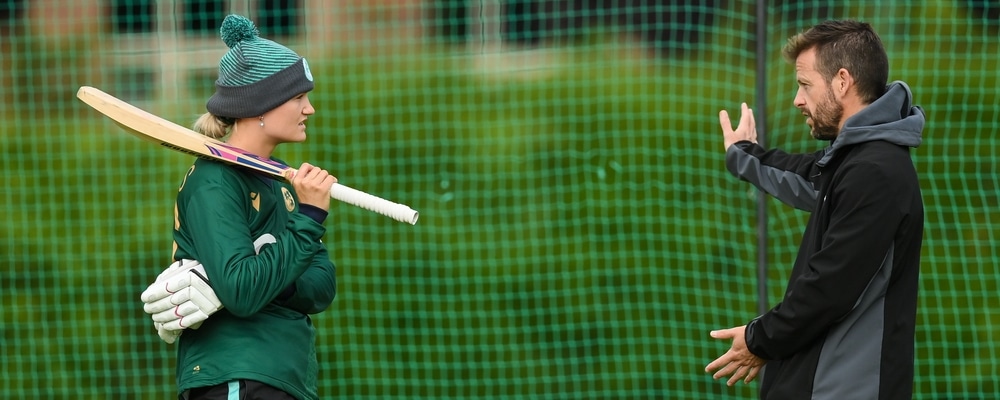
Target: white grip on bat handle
x=396 y=211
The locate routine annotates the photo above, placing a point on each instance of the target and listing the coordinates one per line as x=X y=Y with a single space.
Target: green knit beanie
x=255 y=75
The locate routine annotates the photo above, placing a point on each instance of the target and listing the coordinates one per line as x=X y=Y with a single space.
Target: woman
x=258 y=239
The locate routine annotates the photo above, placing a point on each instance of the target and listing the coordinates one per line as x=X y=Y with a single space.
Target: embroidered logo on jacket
x=255 y=200
x=289 y=199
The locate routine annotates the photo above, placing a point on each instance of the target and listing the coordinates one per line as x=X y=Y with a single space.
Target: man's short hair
x=847 y=44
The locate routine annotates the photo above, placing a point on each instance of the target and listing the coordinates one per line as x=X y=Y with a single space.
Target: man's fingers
x=718 y=363
x=712 y=366
x=725 y=359
x=737 y=372
x=745 y=116
x=738 y=363
x=723 y=333
x=737 y=375
x=727 y=125
x=728 y=370
x=751 y=125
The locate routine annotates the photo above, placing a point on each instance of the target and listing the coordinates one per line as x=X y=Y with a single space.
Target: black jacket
x=845 y=327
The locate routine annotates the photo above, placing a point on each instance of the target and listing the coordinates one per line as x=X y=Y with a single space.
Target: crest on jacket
x=289 y=199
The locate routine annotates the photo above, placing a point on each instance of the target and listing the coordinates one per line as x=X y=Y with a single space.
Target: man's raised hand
x=745 y=130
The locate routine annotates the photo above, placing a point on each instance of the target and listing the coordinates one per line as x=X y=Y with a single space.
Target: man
x=845 y=326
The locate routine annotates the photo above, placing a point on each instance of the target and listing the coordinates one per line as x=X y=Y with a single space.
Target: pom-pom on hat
x=255 y=75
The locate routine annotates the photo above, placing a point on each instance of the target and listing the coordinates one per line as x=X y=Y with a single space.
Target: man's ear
x=842 y=82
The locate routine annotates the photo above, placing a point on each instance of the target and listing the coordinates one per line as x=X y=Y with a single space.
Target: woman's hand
x=312 y=184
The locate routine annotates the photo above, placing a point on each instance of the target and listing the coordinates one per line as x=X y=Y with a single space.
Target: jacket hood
x=891 y=118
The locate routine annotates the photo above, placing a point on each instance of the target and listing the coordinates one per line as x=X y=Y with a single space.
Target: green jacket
x=264 y=333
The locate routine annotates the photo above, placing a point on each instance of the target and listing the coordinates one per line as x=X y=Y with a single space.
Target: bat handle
x=396 y=211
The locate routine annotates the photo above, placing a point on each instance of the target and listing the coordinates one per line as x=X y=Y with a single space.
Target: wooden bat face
x=152 y=128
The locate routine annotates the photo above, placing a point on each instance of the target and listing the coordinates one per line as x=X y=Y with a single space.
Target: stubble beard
x=826 y=120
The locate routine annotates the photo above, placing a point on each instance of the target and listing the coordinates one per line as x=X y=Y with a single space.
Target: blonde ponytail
x=213 y=126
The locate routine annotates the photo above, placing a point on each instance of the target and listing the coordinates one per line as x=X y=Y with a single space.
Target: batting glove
x=166 y=335
x=180 y=298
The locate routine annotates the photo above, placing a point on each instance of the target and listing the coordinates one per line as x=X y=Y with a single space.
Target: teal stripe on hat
x=251 y=60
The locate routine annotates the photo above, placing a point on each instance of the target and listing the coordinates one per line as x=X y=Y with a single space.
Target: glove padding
x=180 y=298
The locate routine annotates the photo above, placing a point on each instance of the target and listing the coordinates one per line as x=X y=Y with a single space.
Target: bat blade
x=155 y=129
x=152 y=128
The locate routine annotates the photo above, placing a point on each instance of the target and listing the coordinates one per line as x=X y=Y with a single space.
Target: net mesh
x=579 y=235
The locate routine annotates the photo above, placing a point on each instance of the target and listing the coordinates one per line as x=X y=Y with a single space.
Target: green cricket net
x=579 y=235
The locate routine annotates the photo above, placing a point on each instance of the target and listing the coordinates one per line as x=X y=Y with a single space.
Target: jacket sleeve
x=316 y=288
x=854 y=248
x=244 y=280
x=782 y=175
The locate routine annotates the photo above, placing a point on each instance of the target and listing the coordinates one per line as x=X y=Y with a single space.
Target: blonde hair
x=214 y=126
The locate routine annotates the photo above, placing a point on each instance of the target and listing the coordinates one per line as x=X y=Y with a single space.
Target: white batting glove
x=166 y=335
x=180 y=298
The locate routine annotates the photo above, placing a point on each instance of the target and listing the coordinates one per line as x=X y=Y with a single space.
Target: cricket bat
x=152 y=128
